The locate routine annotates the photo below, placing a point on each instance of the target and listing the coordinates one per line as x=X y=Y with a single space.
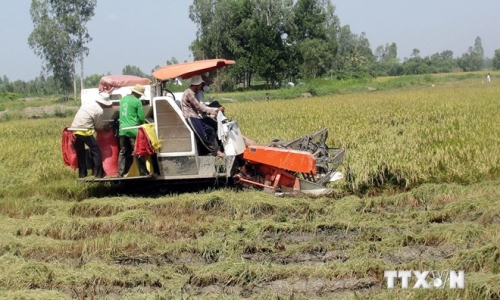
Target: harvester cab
x=304 y=165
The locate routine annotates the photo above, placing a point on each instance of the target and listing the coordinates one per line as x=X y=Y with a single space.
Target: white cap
x=196 y=80
x=103 y=98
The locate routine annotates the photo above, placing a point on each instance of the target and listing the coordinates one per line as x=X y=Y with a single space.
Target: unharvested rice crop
x=403 y=138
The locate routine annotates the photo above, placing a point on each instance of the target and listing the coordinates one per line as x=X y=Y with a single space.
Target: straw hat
x=139 y=89
x=196 y=80
x=103 y=98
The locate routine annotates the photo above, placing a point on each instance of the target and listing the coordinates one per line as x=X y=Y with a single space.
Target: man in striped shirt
x=191 y=109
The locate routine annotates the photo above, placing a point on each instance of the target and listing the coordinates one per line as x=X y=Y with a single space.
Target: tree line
x=274 y=41
x=283 y=40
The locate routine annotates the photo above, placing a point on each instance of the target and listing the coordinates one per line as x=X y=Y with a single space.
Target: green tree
x=251 y=31
x=387 y=52
x=387 y=62
x=60 y=35
x=487 y=63
x=414 y=64
x=172 y=61
x=496 y=60
x=6 y=85
x=473 y=59
x=239 y=44
x=364 y=58
x=309 y=19
x=93 y=80
x=211 y=17
x=317 y=26
x=470 y=61
x=268 y=47
x=54 y=49
x=274 y=40
x=315 y=57
x=478 y=47
x=74 y=15
x=442 y=62
x=354 y=56
x=218 y=31
x=133 y=70
x=415 y=53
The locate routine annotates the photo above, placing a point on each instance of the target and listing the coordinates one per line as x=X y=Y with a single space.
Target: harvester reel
x=284 y=169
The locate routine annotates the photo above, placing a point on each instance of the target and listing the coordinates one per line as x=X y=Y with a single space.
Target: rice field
x=435 y=133
x=421 y=192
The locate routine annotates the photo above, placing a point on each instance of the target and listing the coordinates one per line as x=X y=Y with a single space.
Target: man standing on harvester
x=131 y=117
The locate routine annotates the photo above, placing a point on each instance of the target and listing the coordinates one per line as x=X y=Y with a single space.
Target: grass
x=421 y=193
x=207 y=242
x=36 y=108
x=325 y=86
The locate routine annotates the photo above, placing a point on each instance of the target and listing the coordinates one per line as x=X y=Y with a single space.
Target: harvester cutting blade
x=302 y=166
x=307 y=188
x=313 y=189
x=327 y=166
x=327 y=159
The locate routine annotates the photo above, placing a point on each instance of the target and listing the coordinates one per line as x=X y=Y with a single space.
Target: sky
x=148 y=33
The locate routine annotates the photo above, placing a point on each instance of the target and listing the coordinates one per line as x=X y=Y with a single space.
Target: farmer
x=200 y=94
x=205 y=87
x=192 y=110
x=214 y=105
x=131 y=117
x=87 y=119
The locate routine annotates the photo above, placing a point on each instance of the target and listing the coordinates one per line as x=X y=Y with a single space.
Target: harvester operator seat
x=203 y=148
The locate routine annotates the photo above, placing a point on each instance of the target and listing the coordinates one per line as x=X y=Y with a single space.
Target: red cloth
x=68 y=149
x=143 y=144
x=110 y=150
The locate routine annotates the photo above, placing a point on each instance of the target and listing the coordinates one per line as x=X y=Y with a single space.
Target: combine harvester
x=304 y=165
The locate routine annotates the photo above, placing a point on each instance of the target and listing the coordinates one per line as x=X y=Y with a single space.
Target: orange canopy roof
x=189 y=69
